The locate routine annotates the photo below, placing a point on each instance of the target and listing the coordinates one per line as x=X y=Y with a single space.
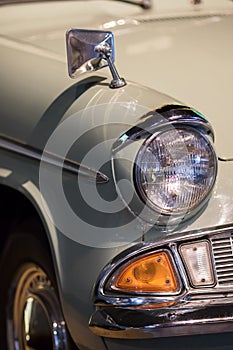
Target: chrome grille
x=223 y=258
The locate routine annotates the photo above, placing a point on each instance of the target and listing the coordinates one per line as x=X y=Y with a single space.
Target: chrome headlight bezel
x=176 y=179
x=124 y=161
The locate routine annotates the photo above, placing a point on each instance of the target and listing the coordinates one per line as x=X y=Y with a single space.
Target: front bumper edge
x=131 y=323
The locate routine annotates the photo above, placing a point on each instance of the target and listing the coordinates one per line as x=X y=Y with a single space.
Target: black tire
x=28 y=283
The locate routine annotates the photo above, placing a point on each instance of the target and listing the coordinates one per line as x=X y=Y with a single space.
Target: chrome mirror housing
x=81 y=53
x=90 y=50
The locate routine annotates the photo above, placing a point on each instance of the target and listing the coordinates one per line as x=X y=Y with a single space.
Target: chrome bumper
x=139 y=324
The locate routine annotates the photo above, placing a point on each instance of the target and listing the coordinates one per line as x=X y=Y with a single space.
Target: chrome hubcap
x=35 y=319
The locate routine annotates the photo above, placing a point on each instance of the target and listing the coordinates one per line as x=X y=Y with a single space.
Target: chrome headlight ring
x=175 y=170
x=174 y=165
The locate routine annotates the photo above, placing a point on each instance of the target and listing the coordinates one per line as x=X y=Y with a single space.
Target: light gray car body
x=179 y=49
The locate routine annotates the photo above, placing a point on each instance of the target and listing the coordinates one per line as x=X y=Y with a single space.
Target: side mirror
x=90 y=50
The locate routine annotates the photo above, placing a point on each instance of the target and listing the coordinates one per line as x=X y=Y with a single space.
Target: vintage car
x=116 y=199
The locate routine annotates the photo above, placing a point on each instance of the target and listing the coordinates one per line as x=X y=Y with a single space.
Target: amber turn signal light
x=151 y=273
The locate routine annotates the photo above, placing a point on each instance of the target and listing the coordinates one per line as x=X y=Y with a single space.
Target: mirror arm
x=104 y=51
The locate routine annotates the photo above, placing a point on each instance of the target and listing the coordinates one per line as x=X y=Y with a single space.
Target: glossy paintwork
x=33 y=46
x=193 y=42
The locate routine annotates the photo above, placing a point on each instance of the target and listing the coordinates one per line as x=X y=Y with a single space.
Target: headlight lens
x=175 y=170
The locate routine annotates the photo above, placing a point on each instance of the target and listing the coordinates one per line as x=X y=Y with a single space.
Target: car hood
x=183 y=51
x=188 y=58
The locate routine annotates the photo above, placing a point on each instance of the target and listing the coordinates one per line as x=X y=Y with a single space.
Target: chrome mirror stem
x=105 y=51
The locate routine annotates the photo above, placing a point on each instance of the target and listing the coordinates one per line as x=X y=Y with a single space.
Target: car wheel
x=31 y=316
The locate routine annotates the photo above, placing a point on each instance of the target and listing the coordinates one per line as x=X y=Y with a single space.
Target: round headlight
x=175 y=170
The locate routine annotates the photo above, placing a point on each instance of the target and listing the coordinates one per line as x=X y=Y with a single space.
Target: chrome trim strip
x=145 y=4
x=188 y=15
x=225 y=159
x=163 y=117
x=18 y=147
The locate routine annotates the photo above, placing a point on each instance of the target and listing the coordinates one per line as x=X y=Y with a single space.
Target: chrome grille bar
x=223 y=259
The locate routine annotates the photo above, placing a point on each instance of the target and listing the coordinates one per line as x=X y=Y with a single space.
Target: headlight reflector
x=175 y=170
